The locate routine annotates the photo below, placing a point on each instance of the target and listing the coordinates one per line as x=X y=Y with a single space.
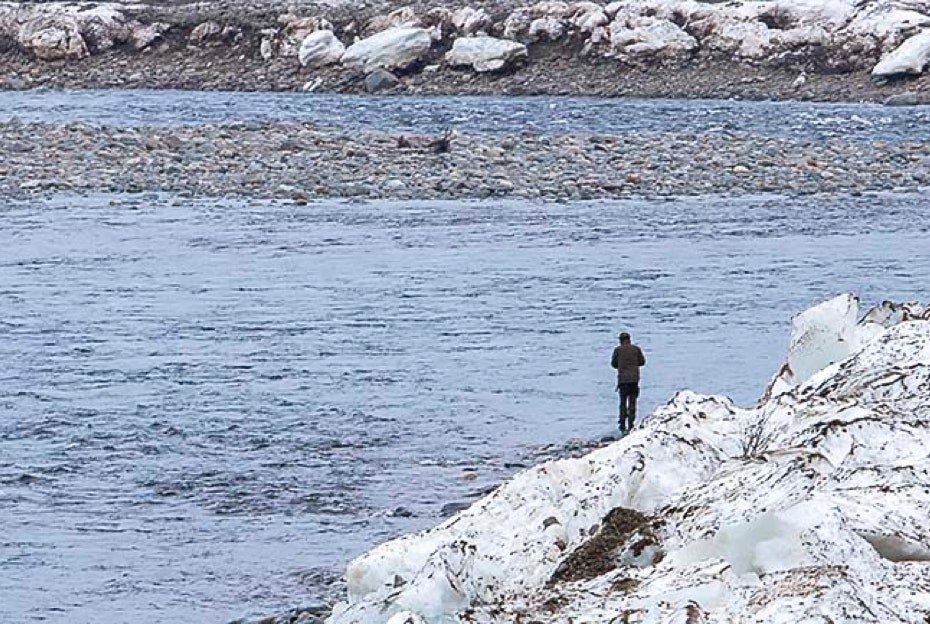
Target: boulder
x=911 y=57
x=53 y=38
x=485 y=54
x=517 y=24
x=469 y=21
x=396 y=48
x=379 y=80
x=588 y=17
x=552 y=8
x=546 y=28
x=299 y=27
x=787 y=14
x=650 y=37
x=439 y=22
x=886 y=23
x=404 y=17
x=742 y=38
x=103 y=26
x=143 y=35
x=296 y=29
x=438 y=16
x=319 y=49
x=56 y=31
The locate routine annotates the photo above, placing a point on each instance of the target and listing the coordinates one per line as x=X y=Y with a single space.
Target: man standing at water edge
x=627 y=359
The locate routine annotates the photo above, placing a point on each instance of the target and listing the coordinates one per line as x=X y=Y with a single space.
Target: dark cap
x=624 y=336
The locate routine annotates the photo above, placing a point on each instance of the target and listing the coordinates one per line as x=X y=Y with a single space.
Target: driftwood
x=427 y=142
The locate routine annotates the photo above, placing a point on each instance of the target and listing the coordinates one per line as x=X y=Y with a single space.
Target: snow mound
x=811 y=507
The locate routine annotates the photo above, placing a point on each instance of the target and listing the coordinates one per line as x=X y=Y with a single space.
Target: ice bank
x=813 y=506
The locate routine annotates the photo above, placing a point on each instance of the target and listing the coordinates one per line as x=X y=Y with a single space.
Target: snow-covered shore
x=449 y=47
x=811 y=507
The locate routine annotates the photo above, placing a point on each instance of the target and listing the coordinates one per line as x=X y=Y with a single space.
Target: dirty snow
x=810 y=507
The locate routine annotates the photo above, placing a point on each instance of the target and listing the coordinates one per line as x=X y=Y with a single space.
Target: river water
x=476 y=115
x=207 y=407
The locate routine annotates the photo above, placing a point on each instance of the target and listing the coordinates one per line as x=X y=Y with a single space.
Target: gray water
x=480 y=115
x=208 y=407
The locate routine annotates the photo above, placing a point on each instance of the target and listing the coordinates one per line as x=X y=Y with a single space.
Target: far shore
x=550 y=71
x=711 y=53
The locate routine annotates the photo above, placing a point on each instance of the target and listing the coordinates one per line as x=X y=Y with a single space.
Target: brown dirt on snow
x=598 y=554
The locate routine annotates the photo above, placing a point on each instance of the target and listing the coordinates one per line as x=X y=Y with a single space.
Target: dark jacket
x=627 y=359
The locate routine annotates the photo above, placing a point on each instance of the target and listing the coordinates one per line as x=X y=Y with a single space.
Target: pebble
x=299 y=163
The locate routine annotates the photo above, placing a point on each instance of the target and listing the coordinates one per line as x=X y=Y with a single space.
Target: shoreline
x=550 y=72
x=778 y=51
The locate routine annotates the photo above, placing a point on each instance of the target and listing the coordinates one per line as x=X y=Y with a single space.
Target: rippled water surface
x=486 y=115
x=207 y=408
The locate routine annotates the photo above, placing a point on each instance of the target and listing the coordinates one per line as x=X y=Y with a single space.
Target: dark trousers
x=629 y=392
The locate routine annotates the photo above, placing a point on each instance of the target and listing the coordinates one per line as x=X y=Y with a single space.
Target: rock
x=469 y=21
x=745 y=39
x=53 y=38
x=485 y=54
x=880 y=26
x=102 y=26
x=297 y=28
x=404 y=17
x=440 y=17
x=266 y=48
x=231 y=33
x=397 y=48
x=432 y=143
x=650 y=37
x=319 y=49
x=552 y=8
x=15 y=83
x=379 y=80
x=907 y=98
x=911 y=57
x=589 y=17
x=453 y=508
x=517 y=24
x=394 y=185
x=401 y=512
x=144 y=35
x=546 y=28
x=207 y=31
